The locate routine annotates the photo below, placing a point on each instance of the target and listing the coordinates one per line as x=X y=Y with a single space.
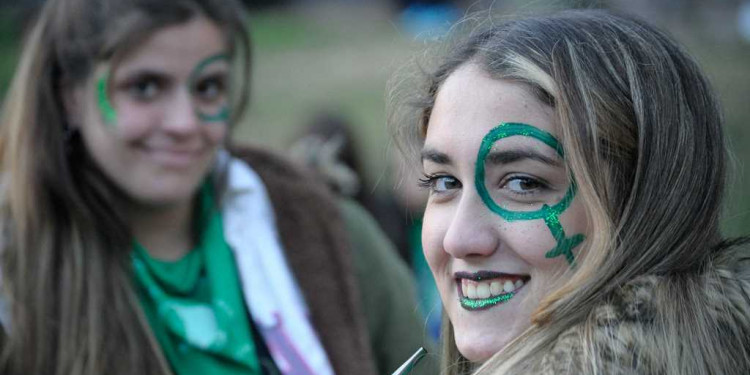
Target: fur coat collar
x=675 y=324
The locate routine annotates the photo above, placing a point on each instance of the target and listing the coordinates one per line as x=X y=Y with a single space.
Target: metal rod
x=411 y=362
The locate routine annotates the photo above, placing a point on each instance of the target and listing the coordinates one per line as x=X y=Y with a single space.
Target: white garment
x=271 y=292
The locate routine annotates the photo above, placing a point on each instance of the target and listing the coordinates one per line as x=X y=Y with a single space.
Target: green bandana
x=194 y=305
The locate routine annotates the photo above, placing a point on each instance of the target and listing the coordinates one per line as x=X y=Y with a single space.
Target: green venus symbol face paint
x=550 y=214
x=502 y=223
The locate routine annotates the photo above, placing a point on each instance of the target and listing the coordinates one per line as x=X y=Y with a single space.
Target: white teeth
x=483 y=290
x=486 y=289
x=471 y=291
x=496 y=288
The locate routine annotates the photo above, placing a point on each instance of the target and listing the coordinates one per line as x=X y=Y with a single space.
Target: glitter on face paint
x=105 y=107
x=565 y=245
x=516 y=129
x=478 y=304
x=551 y=214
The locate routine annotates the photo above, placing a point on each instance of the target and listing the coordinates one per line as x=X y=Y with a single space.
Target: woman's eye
x=439 y=184
x=523 y=185
x=145 y=89
x=210 y=90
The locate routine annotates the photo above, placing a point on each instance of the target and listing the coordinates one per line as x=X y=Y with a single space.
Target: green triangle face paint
x=550 y=214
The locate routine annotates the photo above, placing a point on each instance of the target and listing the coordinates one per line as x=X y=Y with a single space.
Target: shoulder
x=293 y=191
x=272 y=167
x=614 y=338
x=373 y=254
x=388 y=293
x=683 y=323
x=316 y=247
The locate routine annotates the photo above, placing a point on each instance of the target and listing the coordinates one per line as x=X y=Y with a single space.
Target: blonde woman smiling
x=575 y=166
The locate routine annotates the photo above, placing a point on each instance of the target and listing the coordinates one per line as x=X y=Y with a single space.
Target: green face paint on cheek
x=209 y=113
x=109 y=115
x=565 y=245
x=550 y=214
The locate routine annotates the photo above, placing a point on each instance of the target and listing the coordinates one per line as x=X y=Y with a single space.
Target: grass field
x=339 y=59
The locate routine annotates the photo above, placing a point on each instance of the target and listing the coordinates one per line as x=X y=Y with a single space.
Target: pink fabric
x=285 y=354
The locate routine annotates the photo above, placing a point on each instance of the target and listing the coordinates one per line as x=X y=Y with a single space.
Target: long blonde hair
x=642 y=133
x=65 y=244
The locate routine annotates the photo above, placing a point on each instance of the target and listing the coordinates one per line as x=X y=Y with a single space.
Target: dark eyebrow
x=512 y=156
x=222 y=76
x=137 y=74
x=435 y=156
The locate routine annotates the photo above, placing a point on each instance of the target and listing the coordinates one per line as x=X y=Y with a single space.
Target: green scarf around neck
x=194 y=305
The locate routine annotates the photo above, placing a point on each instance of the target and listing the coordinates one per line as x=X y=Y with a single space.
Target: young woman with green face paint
x=565 y=227
x=500 y=204
x=137 y=241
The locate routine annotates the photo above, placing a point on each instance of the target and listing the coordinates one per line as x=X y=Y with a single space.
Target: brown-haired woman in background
x=134 y=243
x=576 y=164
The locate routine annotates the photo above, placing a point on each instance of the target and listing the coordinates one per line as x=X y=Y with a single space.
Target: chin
x=164 y=195
x=478 y=351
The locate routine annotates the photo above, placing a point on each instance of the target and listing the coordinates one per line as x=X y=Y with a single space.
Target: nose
x=181 y=116
x=473 y=230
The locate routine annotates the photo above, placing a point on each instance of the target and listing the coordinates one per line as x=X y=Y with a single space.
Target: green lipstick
x=479 y=304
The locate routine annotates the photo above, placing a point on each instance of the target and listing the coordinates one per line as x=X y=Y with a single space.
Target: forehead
x=470 y=103
x=177 y=48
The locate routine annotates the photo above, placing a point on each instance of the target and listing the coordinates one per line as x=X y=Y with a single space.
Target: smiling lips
x=175 y=158
x=486 y=289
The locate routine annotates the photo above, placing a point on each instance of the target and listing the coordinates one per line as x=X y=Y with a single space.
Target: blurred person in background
x=328 y=147
x=576 y=165
x=135 y=240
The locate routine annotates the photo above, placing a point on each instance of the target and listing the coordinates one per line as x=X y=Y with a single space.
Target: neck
x=165 y=231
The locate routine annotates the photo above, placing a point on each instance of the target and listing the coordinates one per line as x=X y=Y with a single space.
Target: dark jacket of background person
x=321 y=240
x=317 y=251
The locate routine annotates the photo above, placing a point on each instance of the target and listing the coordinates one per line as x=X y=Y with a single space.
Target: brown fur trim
x=318 y=251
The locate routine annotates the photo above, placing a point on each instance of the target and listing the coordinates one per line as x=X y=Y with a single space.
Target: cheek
x=530 y=240
x=134 y=121
x=216 y=132
x=435 y=225
x=574 y=220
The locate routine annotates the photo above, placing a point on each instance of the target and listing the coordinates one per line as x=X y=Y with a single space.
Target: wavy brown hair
x=642 y=132
x=65 y=243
